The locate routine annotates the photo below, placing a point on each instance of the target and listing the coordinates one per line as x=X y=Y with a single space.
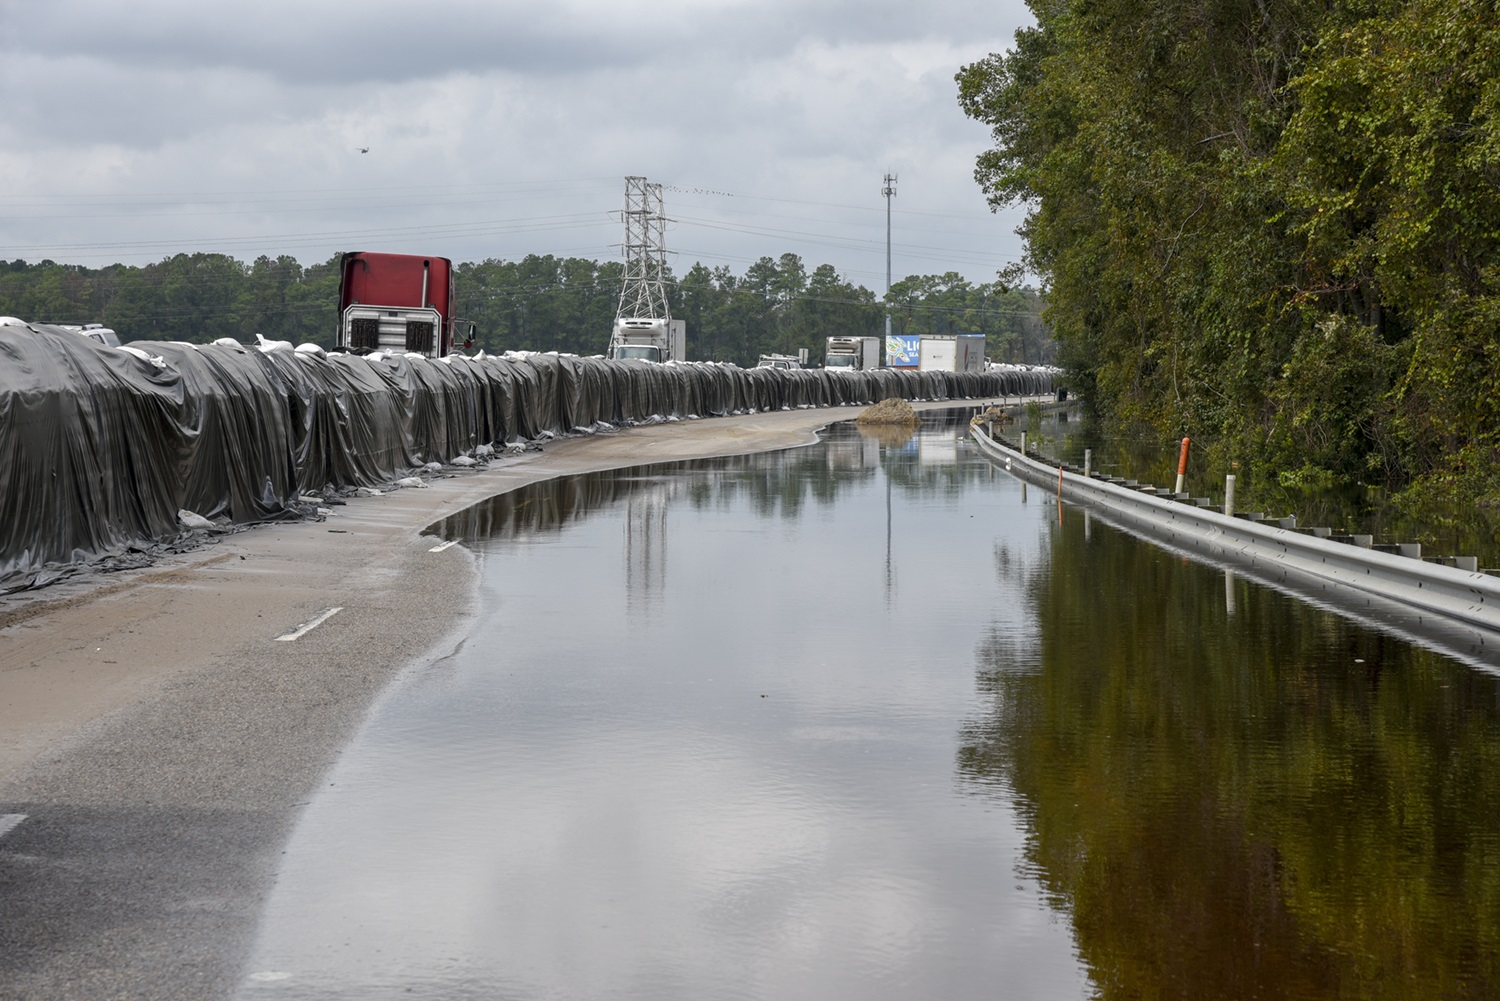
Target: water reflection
x=646 y=547
x=1235 y=795
x=775 y=485
x=742 y=789
x=701 y=745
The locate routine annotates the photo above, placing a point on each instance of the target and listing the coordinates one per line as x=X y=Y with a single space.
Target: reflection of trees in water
x=545 y=506
x=774 y=484
x=1273 y=803
x=933 y=464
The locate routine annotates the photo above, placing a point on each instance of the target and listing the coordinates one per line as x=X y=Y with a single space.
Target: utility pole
x=889 y=191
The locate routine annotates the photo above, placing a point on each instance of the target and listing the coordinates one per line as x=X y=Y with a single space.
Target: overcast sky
x=496 y=129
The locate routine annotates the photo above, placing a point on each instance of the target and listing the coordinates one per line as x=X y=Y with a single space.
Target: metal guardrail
x=1285 y=555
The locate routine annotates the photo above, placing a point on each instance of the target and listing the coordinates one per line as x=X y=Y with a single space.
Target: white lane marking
x=267 y=975
x=307 y=627
x=442 y=546
x=8 y=822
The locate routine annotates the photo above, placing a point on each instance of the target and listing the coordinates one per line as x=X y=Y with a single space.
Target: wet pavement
x=161 y=732
x=870 y=719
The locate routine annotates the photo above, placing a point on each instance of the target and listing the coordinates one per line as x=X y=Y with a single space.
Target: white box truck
x=649 y=339
x=853 y=354
x=951 y=353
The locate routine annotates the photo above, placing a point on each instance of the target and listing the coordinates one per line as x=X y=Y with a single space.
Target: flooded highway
x=872 y=719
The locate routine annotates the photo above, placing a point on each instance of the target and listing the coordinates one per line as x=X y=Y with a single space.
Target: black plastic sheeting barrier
x=101 y=447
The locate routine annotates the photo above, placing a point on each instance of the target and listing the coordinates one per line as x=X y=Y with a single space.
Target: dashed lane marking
x=441 y=546
x=309 y=626
x=8 y=822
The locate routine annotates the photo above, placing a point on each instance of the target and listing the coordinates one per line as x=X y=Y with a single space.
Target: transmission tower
x=643 y=293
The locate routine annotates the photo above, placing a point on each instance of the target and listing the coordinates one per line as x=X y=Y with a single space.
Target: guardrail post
x=1229 y=496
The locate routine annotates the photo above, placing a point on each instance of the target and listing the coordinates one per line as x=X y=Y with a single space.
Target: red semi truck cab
x=396 y=302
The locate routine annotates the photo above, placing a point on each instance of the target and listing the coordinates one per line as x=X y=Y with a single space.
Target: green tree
x=832 y=307
x=540 y=302
x=1213 y=188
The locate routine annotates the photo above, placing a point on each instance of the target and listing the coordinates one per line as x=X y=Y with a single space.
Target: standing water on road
x=869 y=720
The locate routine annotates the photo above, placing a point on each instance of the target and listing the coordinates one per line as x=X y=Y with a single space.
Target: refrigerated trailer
x=648 y=339
x=852 y=354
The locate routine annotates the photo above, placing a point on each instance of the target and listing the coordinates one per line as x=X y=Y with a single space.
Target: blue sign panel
x=903 y=350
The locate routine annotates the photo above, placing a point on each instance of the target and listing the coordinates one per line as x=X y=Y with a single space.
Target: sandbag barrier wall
x=101 y=447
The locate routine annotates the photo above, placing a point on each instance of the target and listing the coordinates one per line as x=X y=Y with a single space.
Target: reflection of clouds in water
x=837 y=734
x=752 y=794
x=665 y=868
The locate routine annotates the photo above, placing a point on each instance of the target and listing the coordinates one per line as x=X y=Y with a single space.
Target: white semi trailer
x=951 y=353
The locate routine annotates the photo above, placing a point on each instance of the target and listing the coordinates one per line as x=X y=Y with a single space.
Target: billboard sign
x=903 y=350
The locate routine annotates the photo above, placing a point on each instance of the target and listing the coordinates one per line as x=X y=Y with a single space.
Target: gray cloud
x=494 y=129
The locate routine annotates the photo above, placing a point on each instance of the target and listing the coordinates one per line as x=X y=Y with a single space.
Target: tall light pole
x=889 y=191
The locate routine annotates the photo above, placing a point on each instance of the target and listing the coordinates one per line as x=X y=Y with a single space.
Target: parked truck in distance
x=951 y=353
x=96 y=332
x=852 y=354
x=648 y=339
x=398 y=302
x=798 y=360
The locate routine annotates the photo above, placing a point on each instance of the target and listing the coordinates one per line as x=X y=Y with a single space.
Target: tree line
x=1274 y=223
x=539 y=303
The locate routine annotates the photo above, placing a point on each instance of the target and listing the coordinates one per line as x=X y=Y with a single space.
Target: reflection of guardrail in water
x=1276 y=552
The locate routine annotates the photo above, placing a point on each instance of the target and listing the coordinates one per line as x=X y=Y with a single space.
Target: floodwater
x=871 y=719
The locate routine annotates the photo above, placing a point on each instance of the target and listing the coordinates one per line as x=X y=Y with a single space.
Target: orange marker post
x=1182 y=463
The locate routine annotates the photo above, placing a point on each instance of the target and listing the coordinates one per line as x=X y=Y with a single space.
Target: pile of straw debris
x=891 y=411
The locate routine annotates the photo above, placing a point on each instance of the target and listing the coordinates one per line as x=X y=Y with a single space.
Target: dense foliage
x=1274 y=223
x=540 y=303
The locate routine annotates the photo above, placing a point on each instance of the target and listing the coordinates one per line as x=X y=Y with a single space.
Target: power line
x=482 y=228
x=343 y=201
x=246 y=277
x=269 y=195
